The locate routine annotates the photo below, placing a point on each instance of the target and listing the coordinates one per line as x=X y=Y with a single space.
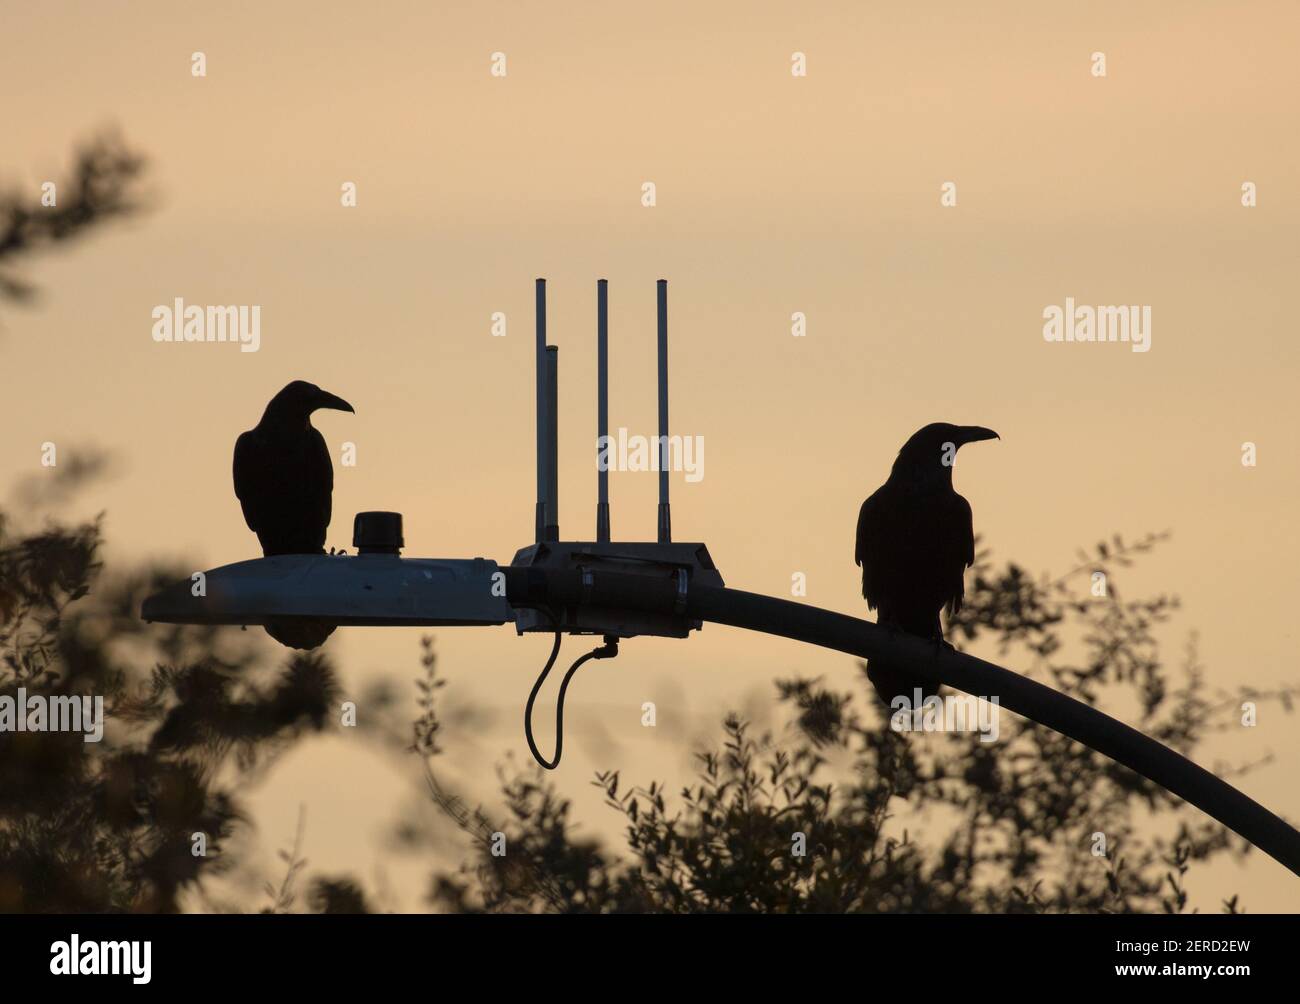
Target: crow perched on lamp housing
x=285 y=482
x=915 y=541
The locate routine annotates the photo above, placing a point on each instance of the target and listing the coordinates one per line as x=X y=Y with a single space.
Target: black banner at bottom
x=213 y=953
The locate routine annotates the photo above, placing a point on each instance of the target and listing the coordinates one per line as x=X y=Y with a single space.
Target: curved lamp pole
x=1032 y=700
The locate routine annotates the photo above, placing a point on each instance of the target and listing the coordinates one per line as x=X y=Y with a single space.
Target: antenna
x=553 y=442
x=548 y=474
x=665 y=518
x=602 y=410
x=541 y=412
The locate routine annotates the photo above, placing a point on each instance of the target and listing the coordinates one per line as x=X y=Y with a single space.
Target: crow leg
x=940 y=643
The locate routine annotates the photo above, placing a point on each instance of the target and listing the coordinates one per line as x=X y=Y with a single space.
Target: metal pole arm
x=1041 y=704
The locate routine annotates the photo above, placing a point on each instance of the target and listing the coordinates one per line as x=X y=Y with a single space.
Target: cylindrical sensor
x=377 y=533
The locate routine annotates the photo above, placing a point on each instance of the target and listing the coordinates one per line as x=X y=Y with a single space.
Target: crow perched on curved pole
x=285 y=482
x=915 y=541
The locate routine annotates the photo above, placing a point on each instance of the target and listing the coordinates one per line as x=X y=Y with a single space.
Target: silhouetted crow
x=284 y=480
x=283 y=475
x=915 y=541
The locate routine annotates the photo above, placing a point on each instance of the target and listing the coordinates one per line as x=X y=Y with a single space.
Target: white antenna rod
x=540 y=518
x=552 y=443
x=602 y=410
x=665 y=518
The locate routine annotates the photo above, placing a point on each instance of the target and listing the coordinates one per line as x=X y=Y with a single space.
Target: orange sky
x=775 y=194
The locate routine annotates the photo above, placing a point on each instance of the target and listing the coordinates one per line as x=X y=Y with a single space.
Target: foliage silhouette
x=113 y=825
x=102 y=185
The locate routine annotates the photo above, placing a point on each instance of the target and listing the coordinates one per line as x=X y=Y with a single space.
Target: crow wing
x=867 y=549
x=957 y=547
x=252 y=487
x=914 y=551
x=285 y=489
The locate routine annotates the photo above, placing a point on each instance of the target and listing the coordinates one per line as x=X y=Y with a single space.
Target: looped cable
x=606 y=651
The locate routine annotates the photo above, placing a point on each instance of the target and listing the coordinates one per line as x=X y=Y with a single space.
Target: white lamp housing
x=366 y=589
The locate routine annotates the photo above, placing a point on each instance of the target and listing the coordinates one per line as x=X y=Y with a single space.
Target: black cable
x=606 y=651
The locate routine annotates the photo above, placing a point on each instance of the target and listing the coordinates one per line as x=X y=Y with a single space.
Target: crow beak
x=328 y=400
x=977 y=433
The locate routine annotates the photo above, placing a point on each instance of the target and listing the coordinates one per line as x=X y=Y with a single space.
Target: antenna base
x=685 y=564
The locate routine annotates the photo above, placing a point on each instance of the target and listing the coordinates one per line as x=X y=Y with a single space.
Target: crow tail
x=891 y=680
